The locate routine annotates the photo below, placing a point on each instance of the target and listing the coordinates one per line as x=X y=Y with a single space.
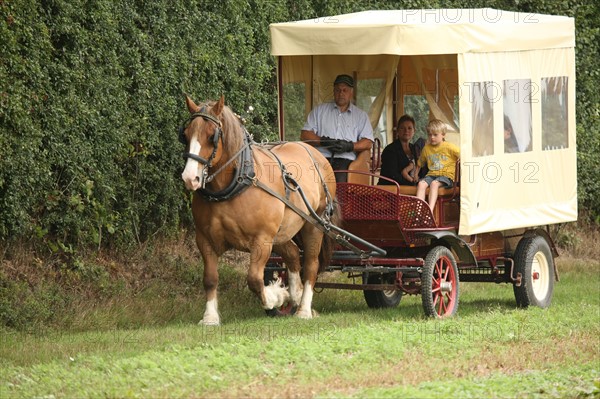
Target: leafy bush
x=91 y=97
x=90 y=102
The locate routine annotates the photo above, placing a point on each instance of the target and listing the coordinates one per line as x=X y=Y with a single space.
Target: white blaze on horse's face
x=190 y=175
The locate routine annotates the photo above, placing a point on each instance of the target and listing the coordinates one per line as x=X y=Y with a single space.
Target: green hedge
x=91 y=97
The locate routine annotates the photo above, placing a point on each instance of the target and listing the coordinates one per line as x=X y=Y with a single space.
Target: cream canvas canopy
x=420 y=32
x=503 y=82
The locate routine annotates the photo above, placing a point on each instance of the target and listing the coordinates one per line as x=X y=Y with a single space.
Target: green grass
x=559 y=382
x=491 y=349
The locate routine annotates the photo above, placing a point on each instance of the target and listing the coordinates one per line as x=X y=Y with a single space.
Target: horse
x=256 y=198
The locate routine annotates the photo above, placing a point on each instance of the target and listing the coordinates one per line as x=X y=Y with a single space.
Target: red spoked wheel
x=439 y=283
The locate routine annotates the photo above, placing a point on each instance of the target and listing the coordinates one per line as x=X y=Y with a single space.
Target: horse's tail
x=328 y=243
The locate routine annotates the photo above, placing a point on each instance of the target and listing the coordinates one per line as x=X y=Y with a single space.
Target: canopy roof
x=498 y=65
x=422 y=32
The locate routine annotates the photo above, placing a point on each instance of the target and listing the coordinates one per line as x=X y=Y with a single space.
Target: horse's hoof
x=307 y=315
x=302 y=314
x=287 y=310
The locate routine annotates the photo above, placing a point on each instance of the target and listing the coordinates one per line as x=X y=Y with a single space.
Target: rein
x=246 y=177
x=246 y=145
x=324 y=224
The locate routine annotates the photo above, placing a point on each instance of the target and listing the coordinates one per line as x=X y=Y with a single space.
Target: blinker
x=215 y=138
x=182 y=138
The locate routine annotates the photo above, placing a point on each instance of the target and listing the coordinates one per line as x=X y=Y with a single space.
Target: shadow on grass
x=161 y=302
x=241 y=305
x=238 y=305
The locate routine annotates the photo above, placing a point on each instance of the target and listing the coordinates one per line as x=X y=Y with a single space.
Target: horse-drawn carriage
x=472 y=69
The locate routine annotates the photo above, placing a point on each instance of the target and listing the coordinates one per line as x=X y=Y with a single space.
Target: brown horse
x=239 y=186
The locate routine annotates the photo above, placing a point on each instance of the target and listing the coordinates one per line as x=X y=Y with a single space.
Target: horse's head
x=202 y=133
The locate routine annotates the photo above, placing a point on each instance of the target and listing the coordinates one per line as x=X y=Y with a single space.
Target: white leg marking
x=305 y=312
x=275 y=295
x=295 y=288
x=211 y=314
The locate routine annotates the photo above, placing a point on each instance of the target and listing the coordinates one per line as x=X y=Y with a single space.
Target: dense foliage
x=91 y=97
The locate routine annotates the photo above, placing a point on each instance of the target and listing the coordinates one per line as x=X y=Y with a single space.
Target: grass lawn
x=490 y=349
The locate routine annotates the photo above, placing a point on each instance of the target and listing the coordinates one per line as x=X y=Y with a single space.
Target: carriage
x=471 y=69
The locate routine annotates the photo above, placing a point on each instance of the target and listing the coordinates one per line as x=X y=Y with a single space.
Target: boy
x=440 y=158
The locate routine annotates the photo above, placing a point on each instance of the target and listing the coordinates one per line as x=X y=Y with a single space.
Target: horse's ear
x=218 y=107
x=192 y=107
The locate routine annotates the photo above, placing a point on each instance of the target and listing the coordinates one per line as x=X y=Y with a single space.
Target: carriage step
x=375 y=269
x=336 y=256
x=485 y=275
x=341 y=255
x=361 y=287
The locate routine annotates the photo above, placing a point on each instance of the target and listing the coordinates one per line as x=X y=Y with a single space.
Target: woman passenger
x=401 y=153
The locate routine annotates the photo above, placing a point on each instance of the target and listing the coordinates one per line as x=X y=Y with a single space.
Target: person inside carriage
x=401 y=153
x=339 y=129
x=510 y=141
x=440 y=157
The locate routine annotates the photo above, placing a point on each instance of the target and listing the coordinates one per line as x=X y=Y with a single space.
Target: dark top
x=394 y=160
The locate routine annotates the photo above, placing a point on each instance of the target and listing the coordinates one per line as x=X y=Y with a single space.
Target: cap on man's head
x=346 y=79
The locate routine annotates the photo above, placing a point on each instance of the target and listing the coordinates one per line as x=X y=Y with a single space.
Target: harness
x=244 y=173
x=217 y=135
x=245 y=177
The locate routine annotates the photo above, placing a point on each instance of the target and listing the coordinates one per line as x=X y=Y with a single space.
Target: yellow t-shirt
x=440 y=159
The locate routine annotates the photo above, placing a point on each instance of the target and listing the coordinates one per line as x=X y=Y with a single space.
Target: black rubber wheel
x=439 y=283
x=381 y=299
x=535 y=263
x=287 y=309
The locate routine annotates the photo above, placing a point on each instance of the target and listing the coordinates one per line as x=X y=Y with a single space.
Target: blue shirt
x=352 y=125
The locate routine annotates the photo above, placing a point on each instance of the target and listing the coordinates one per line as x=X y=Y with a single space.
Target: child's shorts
x=446 y=181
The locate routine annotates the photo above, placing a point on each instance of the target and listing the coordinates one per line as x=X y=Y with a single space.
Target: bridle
x=215 y=139
x=244 y=173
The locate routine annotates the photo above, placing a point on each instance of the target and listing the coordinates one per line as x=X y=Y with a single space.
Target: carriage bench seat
x=412 y=190
x=382 y=216
x=442 y=192
x=361 y=168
